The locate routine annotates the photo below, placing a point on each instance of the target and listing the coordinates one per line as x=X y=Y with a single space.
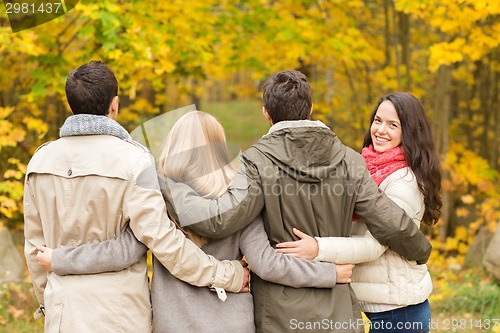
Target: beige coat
x=86 y=189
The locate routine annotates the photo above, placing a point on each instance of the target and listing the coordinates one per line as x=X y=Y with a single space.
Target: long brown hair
x=419 y=150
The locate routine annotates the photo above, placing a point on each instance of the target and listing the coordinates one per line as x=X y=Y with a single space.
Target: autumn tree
x=172 y=53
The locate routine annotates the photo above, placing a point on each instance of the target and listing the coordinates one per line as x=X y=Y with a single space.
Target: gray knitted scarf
x=89 y=124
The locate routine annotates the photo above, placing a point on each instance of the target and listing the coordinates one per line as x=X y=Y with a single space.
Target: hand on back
x=44 y=257
x=306 y=247
x=344 y=273
x=246 y=277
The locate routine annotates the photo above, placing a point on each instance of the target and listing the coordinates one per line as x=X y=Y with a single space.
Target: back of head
x=287 y=95
x=90 y=89
x=196 y=153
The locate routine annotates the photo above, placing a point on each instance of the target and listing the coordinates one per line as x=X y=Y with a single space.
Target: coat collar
x=294 y=124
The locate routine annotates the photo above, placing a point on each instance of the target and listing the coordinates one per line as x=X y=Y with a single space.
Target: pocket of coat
x=53 y=318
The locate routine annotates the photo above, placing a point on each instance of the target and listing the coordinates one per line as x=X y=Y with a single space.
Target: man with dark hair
x=91 y=89
x=287 y=96
x=299 y=175
x=86 y=187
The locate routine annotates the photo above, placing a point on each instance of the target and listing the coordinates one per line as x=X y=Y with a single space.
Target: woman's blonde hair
x=195 y=153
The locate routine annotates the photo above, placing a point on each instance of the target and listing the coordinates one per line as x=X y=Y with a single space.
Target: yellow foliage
x=464 y=74
x=10 y=135
x=6 y=111
x=37 y=125
x=463 y=248
x=7 y=206
x=467 y=167
x=446 y=53
x=451 y=244
x=467 y=199
x=21 y=167
x=462 y=212
x=461 y=233
x=170 y=44
x=13 y=174
x=475 y=104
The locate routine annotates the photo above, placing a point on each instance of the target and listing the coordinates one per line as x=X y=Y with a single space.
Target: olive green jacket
x=300 y=175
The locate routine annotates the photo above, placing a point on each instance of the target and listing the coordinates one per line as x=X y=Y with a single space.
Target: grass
x=242 y=120
x=17 y=305
x=467 y=300
x=473 y=296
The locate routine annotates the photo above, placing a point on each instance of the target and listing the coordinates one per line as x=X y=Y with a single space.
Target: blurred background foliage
x=217 y=53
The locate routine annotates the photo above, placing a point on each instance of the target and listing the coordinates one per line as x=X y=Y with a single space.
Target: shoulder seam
x=137 y=144
x=43 y=145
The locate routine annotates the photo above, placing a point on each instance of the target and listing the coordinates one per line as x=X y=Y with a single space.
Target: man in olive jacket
x=300 y=175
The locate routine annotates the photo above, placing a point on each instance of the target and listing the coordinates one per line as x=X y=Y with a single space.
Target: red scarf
x=383 y=164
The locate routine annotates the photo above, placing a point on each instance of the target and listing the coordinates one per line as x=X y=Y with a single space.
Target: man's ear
x=310 y=113
x=113 y=108
x=266 y=115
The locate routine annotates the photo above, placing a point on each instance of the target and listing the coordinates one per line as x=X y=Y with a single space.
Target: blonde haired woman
x=196 y=153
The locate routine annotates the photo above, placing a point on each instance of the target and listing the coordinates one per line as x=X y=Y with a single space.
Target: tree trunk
x=405 y=41
x=485 y=108
x=441 y=115
x=193 y=95
x=368 y=81
x=330 y=84
x=354 y=95
x=396 y=50
x=495 y=106
x=387 y=32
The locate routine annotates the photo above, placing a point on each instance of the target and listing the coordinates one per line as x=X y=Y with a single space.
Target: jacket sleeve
x=279 y=268
x=221 y=217
x=362 y=247
x=33 y=237
x=388 y=223
x=144 y=208
x=108 y=256
x=405 y=193
x=349 y=250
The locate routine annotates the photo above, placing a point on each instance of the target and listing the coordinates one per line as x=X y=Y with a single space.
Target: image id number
x=32 y=8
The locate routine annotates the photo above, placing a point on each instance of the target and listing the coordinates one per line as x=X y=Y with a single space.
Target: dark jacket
x=300 y=175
